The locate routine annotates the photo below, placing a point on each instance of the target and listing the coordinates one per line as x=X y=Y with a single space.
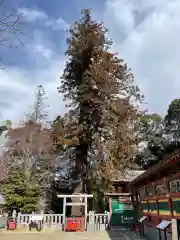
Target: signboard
x=37 y=218
x=122 y=212
x=118 y=206
x=142 y=219
x=163 y=225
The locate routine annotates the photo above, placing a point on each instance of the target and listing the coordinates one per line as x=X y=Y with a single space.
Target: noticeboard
x=163 y=225
x=142 y=219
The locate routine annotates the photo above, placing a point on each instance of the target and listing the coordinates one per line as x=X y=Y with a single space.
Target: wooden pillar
x=64 y=209
x=85 y=205
x=110 y=213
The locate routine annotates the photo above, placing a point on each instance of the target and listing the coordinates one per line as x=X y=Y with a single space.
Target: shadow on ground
x=123 y=234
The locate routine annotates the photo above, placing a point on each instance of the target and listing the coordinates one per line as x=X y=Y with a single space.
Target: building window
x=174 y=186
x=142 y=193
x=150 y=192
x=160 y=189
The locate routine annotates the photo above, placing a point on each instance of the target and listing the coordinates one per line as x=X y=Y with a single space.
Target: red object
x=11 y=225
x=137 y=228
x=131 y=227
x=74 y=224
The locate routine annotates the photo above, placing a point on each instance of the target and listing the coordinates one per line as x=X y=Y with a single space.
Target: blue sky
x=145 y=33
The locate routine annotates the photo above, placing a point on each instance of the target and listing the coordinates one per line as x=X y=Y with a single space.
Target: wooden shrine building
x=157 y=192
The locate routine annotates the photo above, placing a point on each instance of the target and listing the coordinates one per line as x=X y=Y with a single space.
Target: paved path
x=115 y=235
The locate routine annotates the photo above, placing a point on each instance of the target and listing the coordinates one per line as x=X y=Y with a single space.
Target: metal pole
x=141 y=234
x=143 y=227
x=165 y=235
x=159 y=234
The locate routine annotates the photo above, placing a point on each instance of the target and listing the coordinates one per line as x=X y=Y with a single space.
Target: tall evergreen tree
x=21 y=191
x=99 y=87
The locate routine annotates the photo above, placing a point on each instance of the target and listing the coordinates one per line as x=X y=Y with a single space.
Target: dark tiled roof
x=161 y=165
x=127 y=175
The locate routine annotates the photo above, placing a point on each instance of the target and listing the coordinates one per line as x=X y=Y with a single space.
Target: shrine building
x=157 y=194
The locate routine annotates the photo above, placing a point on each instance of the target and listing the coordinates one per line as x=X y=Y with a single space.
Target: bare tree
x=39 y=113
x=31 y=150
x=10 y=27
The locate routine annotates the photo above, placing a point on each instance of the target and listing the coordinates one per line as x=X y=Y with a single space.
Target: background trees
x=158 y=136
x=28 y=162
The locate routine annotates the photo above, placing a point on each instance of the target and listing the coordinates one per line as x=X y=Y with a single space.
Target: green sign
x=122 y=213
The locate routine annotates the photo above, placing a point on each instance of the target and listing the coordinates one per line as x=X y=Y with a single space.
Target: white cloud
x=57 y=24
x=146 y=35
x=17 y=86
x=45 y=52
x=32 y=15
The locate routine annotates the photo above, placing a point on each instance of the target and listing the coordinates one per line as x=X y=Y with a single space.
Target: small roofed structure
x=120 y=181
x=127 y=175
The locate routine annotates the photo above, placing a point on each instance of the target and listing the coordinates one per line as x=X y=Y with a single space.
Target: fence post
x=109 y=221
x=64 y=210
x=18 y=219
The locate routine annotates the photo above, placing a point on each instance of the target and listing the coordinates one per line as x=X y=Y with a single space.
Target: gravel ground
x=113 y=235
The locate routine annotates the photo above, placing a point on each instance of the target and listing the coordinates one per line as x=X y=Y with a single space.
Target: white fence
x=98 y=222
x=95 y=222
x=49 y=220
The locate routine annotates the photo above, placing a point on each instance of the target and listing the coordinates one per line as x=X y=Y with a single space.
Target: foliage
x=20 y=191
x=151 y=138
x=101 y=91
x=172 y=120
x=30 y=150
x=159 y=137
